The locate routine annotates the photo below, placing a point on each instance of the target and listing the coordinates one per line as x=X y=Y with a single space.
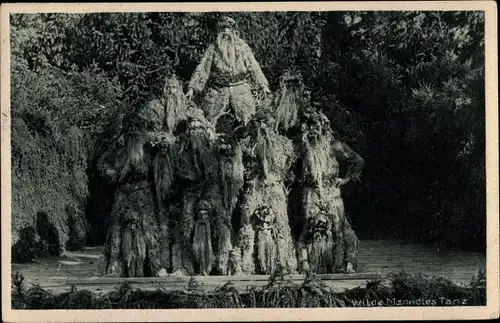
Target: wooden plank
x=336 y=286
x=382 y=257
x=212 y=279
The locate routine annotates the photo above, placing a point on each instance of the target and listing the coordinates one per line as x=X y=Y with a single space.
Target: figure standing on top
x=224 y=74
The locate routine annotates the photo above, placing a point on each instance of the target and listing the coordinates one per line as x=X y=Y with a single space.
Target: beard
x=263 y=149
x=287 y=112
x=226 y=45
x=131 y=157
x=198 y=145
x=174 y=110
x=317 y=156
x=266 y=251
x=133 y=250
x=231 y=175
x=320 y=251
x=163 y=173
x=202 y=248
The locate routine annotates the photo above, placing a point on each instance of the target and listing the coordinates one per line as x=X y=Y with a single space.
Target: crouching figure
x=320 y=249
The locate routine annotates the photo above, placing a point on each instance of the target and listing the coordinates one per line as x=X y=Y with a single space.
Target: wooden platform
x=376 y=259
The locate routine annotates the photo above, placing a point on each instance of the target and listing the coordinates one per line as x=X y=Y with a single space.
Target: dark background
x=403 y=89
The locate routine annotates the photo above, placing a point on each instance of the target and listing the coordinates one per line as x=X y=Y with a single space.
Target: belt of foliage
x=399 y=289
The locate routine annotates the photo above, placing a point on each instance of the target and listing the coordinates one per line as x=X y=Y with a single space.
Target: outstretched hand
x=110 y=173
x=341 y=181
x=189 y=94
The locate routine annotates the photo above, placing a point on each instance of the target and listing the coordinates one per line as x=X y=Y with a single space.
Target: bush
x=55 y=116
x=279 y=293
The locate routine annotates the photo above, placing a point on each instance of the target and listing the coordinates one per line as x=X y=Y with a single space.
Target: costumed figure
x=289 y=103
x=322 y=203
x=163 y=169
x=195 y=171
x=224 y=74
x=203 y=238
x=231 y=180
x=266 y=249
x=131 y=247
x=269 y=159
x=163 y=116
x=171 y=108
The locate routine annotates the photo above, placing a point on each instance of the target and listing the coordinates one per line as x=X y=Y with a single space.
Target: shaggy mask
x=262 y=133
x=173 y=102
x=227 y=40
x=290 y=99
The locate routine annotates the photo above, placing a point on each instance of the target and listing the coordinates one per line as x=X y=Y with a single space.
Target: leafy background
x=404 y=89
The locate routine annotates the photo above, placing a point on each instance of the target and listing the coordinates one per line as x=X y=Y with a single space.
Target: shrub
x=279 y=293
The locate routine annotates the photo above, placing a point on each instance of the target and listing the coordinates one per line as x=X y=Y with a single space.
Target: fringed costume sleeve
x=254 y=67
x=105 y=163
x=202 y=71
x=345 y=153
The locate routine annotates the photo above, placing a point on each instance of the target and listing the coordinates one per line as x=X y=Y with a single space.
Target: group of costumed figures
x=182 y=169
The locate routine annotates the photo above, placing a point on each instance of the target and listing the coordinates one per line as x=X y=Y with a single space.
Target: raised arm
x=202 y=71
x=346 y=154
x=105 y=165
x=254 y=68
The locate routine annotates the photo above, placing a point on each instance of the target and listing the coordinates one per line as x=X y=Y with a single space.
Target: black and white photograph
x=269 y=157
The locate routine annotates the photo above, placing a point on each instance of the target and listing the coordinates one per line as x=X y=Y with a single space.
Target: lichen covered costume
x=225 y=81
x=322 y=200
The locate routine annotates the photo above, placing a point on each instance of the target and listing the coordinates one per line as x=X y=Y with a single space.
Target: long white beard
x=174 y=110
x=227 y=48
x=202 y=247
x=287 y=111
x=320 y=252
x=266 y=251
x=317 y=160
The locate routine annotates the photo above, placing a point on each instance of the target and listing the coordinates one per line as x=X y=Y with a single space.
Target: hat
x=226 y=21
x=204 y=205
x=264 y=213
x=196 y=114
x=291 y=75
x=171 y=80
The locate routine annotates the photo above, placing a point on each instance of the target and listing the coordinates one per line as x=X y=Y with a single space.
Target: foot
x=339 y=269
x=178 y=272
x=305 y=267
x=350 y=268
x=162 y=273
x=237 y=271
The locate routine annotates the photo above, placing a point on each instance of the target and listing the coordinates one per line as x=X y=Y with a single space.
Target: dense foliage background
x=404 y=89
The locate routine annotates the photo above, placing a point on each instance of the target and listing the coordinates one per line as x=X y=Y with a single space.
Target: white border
x=394 y=313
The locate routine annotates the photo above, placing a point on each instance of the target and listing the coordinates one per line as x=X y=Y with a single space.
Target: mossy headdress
x=291 y=75
x=226 y=22
x=204 y=205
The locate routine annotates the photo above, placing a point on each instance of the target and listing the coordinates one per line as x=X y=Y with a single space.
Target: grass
x=278 y=293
